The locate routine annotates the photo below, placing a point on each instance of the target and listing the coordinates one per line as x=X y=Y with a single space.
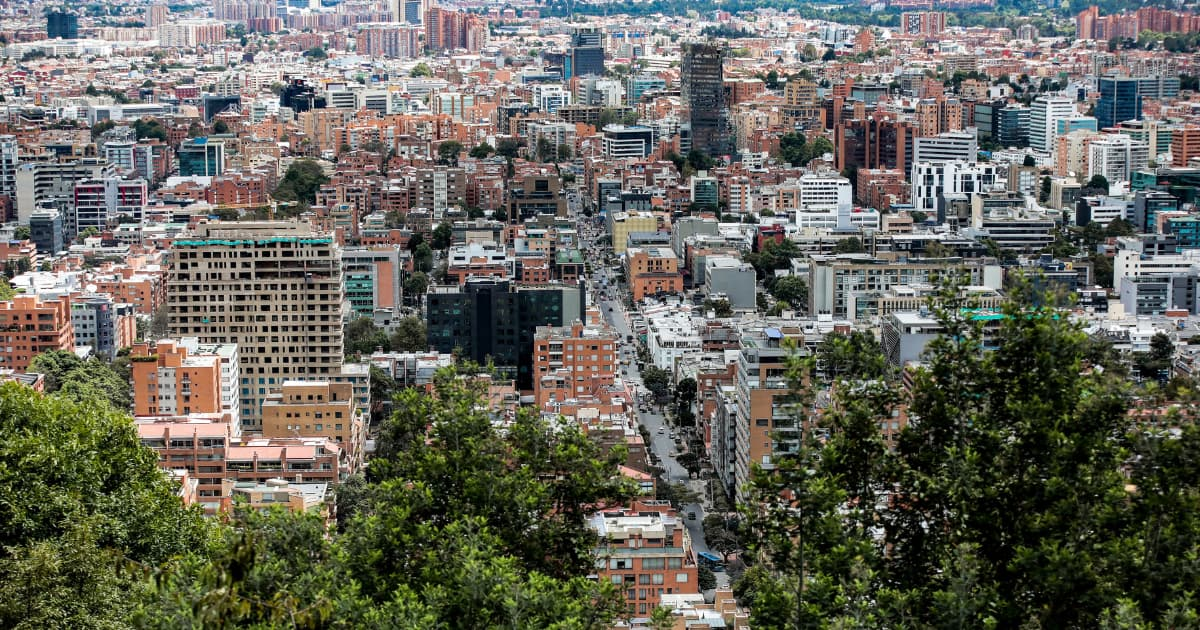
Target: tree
x=443 y=235
x=565 y=152
x=1044 y=191
x=421 y=70
x=448 y=152
x=409 y=336
x=790 y=289
x=316 y=53
x=220 y=127
x=22 y=233
x=482 y=150
x=1098 y=183
x=1156 y=363
x=657 y=380
x=705 y=579
x=415 y=286
x=857 y=355
x=829 y=55
x=850 y=245
x=1119 y=227
x=662 y=618
x=690 y=462
x=362 y=337
x=6 y=290
x=301 y=182
x=423 y=258
x=1029 y=161
x=772 y=80
x=720 y=308
x=80 y=380
x=508 y=147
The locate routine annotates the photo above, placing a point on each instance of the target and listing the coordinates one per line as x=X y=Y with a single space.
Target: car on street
x=661 y=430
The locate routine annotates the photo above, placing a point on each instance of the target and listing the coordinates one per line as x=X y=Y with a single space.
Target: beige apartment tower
x=273 y=288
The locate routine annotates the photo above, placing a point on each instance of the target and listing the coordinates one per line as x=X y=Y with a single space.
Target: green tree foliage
x=790 y=289
x=448 y=152
x=771 y=257
x=720 y=308
x=1023 y=497
x=83 y=380
x=301 y=182
x=657 y=380
x=362 y=337
x=421 y=70
x=705 y=579
x=795 y=149
x=482 y=150
x=316 y=54
x=415 y=286
x=81 y=498
x=409 y=336
x=1097 y=184
x=850 y=245
x=220 y=127
x=149 y=128
x=6 y=290
x=856 y=355
x=508 y=147
x=1156 y=363
x=443 y=235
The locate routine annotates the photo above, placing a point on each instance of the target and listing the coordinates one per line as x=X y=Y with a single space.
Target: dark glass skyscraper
x=703 y=89
x=60 y=24
x=587 y=54
x=1120 y=100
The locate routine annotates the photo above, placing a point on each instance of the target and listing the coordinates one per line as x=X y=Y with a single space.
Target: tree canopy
x=301 y=182
x=1024 y=497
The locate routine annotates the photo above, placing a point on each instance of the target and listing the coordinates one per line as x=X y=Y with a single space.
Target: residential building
x=652 y=271
x=308 y=409
x=587 y=355
x=644 y=550
x=1116 y=157
x=100 y=203
x=1185 y=145
x=275 y=289
x=374 y=277
x=104 y=325
x=179 y=378
x=848 y=286
x=622 y=141
x=767 y=424
x=30 y=326
x=46 y=231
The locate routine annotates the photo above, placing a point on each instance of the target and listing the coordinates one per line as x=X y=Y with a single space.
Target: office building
x=42 y=185
x=931 y=181
x=1044 y=115
x=586 y=56
x=870 y=143
x=30 y=326
x=1148 y=206
x=1120 y=100
x=8 y=165
x=273 y=288
x=201 y=157
x=645 y=551
x=621 y=141
x=622 y=224
x=637 y=85
x=494 y=320
x=537 y=195
x=374 y=278
x=61 y=24
x=1012 y=126
x=46 y=231
x=946 y=147
x=702 y=82
x=1116 y=157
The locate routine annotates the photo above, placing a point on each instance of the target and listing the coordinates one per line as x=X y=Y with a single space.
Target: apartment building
x=310 y=409
x=645 y=551
x=622 y=224
x=172 y=378
x=651 y=271
x=30 y=326
x=849 y=286
x=103 y=324
x=588 y=355
x=273 y=288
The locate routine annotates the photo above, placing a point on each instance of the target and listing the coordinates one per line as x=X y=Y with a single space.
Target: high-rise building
x=61 y=24
x=8 y=165
x=1044 y=115
x=702 y=82
x=447 y=29
x=494 y=320
x=1116 y=157
x=201 y=157
x=398 y=41
x=586 y=56
x=923 y=23
x=156 y=15
x=874 y=144
x=273 y=288
x=1120 y=100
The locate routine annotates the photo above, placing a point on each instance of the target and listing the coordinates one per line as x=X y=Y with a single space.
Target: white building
x=1044 y=115
x=961 y=146
x=951 y=178
x=825 y=192
x=1116 y=157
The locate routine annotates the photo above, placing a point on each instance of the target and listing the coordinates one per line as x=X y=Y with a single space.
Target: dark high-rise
x=586 y=55
x=62 y=25
x=493 y=320
x=1120 y=100
x=703 y=90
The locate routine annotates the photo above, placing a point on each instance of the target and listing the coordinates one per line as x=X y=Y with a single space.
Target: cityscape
x=579 y=314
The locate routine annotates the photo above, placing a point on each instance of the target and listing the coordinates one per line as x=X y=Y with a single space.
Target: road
x=661 y=444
